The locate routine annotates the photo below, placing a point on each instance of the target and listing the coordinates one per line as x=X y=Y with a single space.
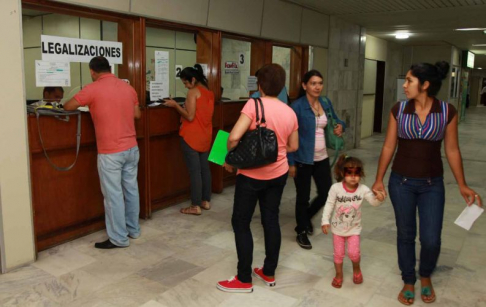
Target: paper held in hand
x=468 y=216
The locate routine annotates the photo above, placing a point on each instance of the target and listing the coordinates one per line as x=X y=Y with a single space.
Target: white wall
x=16 y=226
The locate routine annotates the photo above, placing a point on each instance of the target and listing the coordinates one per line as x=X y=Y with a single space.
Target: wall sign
x=56 y=48
x=178 y=69
x=231 y=67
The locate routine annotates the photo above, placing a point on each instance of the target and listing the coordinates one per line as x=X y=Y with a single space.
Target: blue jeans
x=118 y=178
x=428 y=195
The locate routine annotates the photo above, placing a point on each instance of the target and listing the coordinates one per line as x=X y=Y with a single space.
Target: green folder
x=220 y=148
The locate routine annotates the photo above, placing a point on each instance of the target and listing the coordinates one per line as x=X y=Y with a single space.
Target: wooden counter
x=68 y=205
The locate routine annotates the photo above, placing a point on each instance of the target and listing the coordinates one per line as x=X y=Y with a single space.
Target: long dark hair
x=307 y=76
x=432 y=73
x=195 y=72
x=346 y=161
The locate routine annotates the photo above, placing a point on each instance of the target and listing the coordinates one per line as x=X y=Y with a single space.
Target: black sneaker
x=303 y=241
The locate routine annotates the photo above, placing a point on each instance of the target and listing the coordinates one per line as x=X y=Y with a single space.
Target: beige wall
x=16 y=230
x=318 y=61
x=376 y=48
x=272 y=19
x=431 y=54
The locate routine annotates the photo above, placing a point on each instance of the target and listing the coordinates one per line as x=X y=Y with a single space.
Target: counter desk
x=69 y=204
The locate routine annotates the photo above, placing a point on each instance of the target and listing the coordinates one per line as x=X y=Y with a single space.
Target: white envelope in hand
x=468 y=216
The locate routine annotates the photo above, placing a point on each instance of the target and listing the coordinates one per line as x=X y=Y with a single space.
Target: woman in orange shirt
x=196 y=135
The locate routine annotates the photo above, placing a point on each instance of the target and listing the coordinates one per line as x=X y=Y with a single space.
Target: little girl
x=344 y=204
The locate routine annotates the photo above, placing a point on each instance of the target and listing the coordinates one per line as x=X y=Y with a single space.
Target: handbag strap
x=258 y=101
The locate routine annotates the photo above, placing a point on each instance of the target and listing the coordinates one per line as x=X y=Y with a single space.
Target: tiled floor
x=178 y=259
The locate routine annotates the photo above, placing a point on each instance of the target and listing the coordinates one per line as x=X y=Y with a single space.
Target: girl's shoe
x=358 y=278
x=428 y=295
x=337 y=283
x=406 y=297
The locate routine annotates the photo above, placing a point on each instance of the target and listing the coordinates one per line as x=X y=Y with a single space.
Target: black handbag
x=257 y=147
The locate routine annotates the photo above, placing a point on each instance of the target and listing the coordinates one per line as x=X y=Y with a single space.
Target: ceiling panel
x=346 y=7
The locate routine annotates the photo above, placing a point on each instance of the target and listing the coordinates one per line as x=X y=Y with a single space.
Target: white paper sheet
x=52 y=73
x=158 y=90
x=162 y=66
x=468 y=216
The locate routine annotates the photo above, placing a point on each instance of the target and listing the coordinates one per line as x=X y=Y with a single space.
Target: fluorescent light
x=479 y=45
x=402 y=35
x=479 y=67
x=470 y=29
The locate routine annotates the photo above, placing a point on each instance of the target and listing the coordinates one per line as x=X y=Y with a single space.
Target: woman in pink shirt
x=262 y=184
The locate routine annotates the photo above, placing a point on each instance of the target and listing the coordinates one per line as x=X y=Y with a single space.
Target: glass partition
x=235 y=69
x=37 y=23
x=281 y=56
x=181 y=49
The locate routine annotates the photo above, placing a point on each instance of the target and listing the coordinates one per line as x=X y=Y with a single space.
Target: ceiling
x=429 y=22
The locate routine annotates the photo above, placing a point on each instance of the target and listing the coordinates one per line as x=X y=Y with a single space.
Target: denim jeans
x=321 y=171
x=118 y=178
x=199 y=173
x=248 y=192
x=428 y=196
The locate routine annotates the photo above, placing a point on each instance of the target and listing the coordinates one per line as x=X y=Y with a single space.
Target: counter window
x=37 y=23
x=281 y=56
x=235 y=69
x=180 y=47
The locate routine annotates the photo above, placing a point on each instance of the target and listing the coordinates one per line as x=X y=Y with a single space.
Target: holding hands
x=380 y=194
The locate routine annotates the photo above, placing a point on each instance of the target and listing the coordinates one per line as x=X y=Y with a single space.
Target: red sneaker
x=235 y=286
x=270 y=281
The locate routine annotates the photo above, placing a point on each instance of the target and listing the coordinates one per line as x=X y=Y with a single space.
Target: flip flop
x=337 y=283
x=427 y=292
x=407 y=295
x=358 y=278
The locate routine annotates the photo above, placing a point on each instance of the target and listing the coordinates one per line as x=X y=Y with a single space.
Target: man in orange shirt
x=113 y=105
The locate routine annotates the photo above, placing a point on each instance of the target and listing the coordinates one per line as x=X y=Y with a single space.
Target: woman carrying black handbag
x=263 y=184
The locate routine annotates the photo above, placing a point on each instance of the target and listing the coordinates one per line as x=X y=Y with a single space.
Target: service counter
x=68 y=205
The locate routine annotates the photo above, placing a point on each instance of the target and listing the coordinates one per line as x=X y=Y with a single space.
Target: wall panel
x=236 y=16
x=281 y=21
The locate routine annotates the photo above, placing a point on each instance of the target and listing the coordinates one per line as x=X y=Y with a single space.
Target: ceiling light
x=470 y=29
x=479 y=68
x=402 y=35
x=484 y=32
x=479 y=45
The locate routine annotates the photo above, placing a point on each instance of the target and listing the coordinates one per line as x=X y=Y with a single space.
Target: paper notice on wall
x=158 y=90
x=252 y=83
x=162 y=66
x=52 y=73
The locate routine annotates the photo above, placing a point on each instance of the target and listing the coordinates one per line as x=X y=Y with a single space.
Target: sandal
x=337 y=283
x=205 y=205
x=194 y=210
x=429 y=293
x=358 y=278
x=409 y=297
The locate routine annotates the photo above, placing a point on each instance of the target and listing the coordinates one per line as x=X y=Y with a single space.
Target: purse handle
x=263 y=121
